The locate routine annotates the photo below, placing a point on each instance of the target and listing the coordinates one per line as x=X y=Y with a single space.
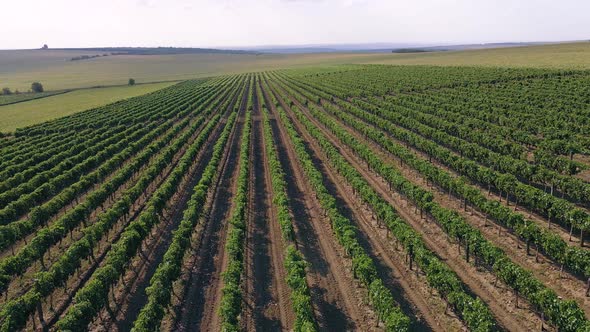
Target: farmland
x=49 y=106
x=19 y=68
x=358 y=197
x=22 y=97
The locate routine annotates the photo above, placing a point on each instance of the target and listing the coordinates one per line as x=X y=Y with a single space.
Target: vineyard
x=357 y=197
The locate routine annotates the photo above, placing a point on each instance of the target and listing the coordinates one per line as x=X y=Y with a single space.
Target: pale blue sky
x=209 y=23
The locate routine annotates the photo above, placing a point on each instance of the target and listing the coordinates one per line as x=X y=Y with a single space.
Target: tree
x=131 y=81
x=37 y=87
x=6 y=91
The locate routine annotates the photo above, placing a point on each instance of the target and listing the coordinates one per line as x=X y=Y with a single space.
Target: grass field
x=21 y=97
x=19 y=68
x=40 y=110
x=563 y=56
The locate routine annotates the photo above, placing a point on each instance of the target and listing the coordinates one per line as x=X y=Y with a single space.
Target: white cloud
x=211 y=23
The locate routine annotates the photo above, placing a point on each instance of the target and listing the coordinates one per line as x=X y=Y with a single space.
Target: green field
x=57 y=73
x=19 y=68
x=457 y=175
x=40 y=110
x=562 y=56
x=52 y=68
x=21 y=97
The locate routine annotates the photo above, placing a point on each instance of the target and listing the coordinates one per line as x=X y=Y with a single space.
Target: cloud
x=211 y=23
x=147 y=3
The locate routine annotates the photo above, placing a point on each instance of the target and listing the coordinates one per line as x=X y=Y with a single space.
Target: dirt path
x=561 y=281
x=338 y=302
x=267 y=303
x=498 y=297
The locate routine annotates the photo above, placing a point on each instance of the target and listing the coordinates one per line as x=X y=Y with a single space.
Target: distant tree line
x=86 y=57
x=411 y=50
x=36 y=87
x=154 y=50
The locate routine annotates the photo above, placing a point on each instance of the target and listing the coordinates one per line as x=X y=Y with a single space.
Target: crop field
x=52 y=106
x=366 y=197
x=19 y=68
x=22 y=97
x=562 y=55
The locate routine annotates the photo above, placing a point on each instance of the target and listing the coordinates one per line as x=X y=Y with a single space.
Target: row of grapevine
x=574 y=258
x=41 y=214
x=25 y=202
x=54 y=148
x=504 y=140
x=51 y=234
x=160 y=290
x=575 y=189
x=94 y=295
x=16 y=312
x=565 y=314
x=363 y=266
x=14 y=174
x=383 y=79
x=46 y=237
x=52 y=179
x=553 y=110
x=490 y=135
x=293 y=259
x=473 y=311
x=45 y=183
x=550 y=119
x=231 y=300
x=174 y=98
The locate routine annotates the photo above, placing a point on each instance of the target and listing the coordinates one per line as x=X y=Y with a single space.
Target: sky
x=241 y=23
